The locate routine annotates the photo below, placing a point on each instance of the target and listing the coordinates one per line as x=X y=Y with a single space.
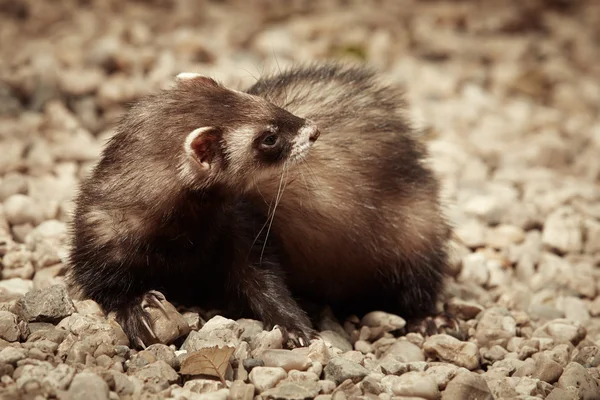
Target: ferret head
x=238 y=139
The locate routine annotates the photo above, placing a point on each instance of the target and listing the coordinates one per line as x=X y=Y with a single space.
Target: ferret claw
x=140 y=343
x=440 y=323
x=149 y=328
x=293 y=338
x=153 y=299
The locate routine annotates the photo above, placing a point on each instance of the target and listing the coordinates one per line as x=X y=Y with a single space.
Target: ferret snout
x=315 y=135
x=313 y=131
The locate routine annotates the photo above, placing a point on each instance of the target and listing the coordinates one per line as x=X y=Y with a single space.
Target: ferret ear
x=194 y=77
x=202 y=145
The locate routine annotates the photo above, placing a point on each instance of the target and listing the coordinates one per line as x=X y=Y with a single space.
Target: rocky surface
x=508 y=98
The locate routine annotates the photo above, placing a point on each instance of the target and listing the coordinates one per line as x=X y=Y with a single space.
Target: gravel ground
x=508 y=97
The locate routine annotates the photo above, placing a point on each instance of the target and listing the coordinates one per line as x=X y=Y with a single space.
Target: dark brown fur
x=357 y=226
x=360 y=219
x=142 y=224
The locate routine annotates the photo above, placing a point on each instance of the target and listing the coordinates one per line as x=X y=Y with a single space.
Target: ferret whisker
x=285 y=92
x=266 y=221
x=308 y=192
x=250 y=73
x=256 y=186
x=277 y=199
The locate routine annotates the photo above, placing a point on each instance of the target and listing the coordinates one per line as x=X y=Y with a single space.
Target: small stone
x=404 y=351
x=286 y=359
x=316 y=368
x=386 y=321
x=60 y=377
x=576 y=376
x=264 y=378
x=592 y=235
x=47 y=305
x=389 y=366
x=20 y=232
x=588 y=356
x=11 y=329
x=272 y=339
x=49 y=276
x=327 y=386
x=292 y=391
x=241 y=391
x=88 y=386
x=46 y=331
x=354 y=356
x=193 y=319
x=339 y=369
x=318 y=352
x=302 y=376
x=88 y=307
x=347 y=389
x=486 y=207
x=251 y=363
x=203 y=385
x=449 y=349
x=560 y=353
x=217 y=331
x=164 y=353
x=474 y=269
x=503 y=236
x=21 y=209
x=561 y=330
x=463 y=309
x=10 y=355
x=563 y=230
x=416 y=384
x=17 y=264
x=16 y=286
x=442 y=373
x=335 y=339
x=471 y=233
x=544 y=369
x=467 y=385
x=495 y=326
x=123 y=385
x=12 y=183
x=159 y=373
x=168 y=326
x=526 y=386
x=250 y=328
x=563 y=394
x=575 y=309
x=363 y=346
x=372 y=384
x=81 y=81
x=493 y=354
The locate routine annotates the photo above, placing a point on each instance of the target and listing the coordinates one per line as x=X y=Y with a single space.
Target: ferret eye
x=269 y=141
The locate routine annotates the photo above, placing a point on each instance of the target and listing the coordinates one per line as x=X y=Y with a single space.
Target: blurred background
x=507 y=93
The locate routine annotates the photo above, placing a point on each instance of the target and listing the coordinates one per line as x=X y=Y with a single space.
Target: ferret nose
x=314 y=131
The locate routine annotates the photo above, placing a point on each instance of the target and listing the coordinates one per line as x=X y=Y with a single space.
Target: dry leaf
x=211 y=361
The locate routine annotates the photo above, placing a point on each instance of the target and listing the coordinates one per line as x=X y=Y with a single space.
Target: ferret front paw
x=136 y=321
x=294 y=337
x=432 y=325
x=154 y=298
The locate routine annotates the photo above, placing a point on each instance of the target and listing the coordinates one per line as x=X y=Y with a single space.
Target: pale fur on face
x=301 y=142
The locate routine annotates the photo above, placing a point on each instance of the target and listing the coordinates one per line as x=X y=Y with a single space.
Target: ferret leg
x=443 y=322
x=263 y=291
x=124 y=292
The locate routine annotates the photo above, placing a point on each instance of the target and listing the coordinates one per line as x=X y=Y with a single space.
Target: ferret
x=165 y=212
x=308 y=187
x=360 y=218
